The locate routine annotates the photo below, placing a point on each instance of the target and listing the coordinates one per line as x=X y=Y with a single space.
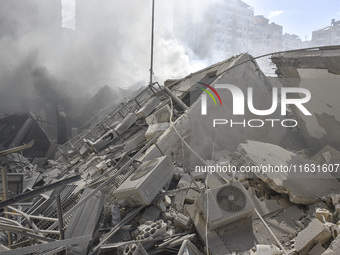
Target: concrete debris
x=323 y=215
x=292 y=183
x=309 y=69
x=129 y=184
x=262 y=249
x=317 y=250
x=334 y=247
x=160 y=116
x=182 y=221
x=155 y=129
x=135 y=249
x=126 y=123
x=148 y=108
x=151 y=213
x=315 y=233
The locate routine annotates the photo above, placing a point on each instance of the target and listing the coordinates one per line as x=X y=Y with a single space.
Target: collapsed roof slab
x=294 y=174
x=198 y=129
x=319 y=72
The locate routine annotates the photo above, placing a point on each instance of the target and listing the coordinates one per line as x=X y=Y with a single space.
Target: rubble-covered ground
x=128 y=184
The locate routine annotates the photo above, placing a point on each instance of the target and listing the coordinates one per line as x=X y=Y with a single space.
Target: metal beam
x=114 y=230
x=38 y=191
x=152 y=32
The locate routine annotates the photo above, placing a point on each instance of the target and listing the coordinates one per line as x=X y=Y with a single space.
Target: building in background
x=291 y=42
x=329 y=35
x=230 y=28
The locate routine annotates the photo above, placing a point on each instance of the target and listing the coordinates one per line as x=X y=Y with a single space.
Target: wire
x=203 y=161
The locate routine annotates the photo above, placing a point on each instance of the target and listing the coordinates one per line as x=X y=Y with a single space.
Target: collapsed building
x=144 y=180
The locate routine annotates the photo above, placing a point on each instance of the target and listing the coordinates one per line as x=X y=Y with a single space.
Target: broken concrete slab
x=315 y=233
x=155 y=129
x=126 y=123
x=182 y=221
x=151 y=213
x=134 y=141
x=297 y=185
x=328 y=155
x=334 y=248
x=265 y=206
x=317 y=250
x=216 y=246
x=160 y=116
x=317 y=71
x=148 y=107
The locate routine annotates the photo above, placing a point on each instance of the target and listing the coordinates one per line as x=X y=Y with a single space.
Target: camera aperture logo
x=238 y=105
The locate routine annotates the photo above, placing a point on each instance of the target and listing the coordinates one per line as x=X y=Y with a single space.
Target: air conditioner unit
x=225 y=204
x=146 y=182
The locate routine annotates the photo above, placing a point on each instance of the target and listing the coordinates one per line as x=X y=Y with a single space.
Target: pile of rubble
x=127 y=184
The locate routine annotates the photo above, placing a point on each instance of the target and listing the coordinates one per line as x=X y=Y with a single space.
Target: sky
x=299 y=17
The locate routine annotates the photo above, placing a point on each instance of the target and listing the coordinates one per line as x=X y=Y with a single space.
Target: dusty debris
x=295 y=184
x=323 y=215
x=315 y=233
x=317 y=250
x=334 y=247
x=127 y=185
x=155 y=129
x=148 y=107
x=160 y=116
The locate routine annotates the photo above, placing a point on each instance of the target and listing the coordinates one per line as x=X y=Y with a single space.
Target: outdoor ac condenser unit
x=225 y=204
x=145 y=183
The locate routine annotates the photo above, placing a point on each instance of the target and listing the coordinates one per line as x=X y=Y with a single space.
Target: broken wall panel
x=302 y=187
x=319 y=72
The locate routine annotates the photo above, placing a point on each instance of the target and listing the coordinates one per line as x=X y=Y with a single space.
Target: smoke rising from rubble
x=41 y=68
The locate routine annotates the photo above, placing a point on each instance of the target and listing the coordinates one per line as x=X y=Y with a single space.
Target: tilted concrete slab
x=126 y=123
x=319 y=72
x=315 y=233
x=302 y=188
x=148 y=107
